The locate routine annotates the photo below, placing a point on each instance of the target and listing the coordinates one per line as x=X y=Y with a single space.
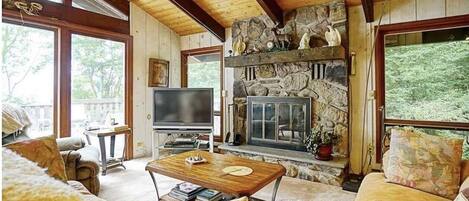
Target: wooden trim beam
x=65 y=87
x=273 y=10
x=428 y=124
x=121 y=5
x=61 y=12
x=368 y=10
x=200 y=16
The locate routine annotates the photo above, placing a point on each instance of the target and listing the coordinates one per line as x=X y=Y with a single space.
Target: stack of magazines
x=185 y=191
x=181 y=143
x=209 y=195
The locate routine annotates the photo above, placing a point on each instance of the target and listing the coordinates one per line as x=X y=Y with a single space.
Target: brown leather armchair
x=81 y=162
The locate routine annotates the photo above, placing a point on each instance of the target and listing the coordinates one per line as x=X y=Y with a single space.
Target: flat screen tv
x=183 y=108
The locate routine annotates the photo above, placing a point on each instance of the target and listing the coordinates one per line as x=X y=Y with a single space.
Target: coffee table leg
x=277 y=184
x=154 y=183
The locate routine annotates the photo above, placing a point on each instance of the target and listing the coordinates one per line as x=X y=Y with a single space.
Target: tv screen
x=176 y=108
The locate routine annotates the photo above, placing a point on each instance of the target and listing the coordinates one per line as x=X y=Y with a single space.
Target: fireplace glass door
x=280 y=122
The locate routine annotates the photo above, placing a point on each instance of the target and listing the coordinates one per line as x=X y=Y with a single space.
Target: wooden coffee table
x=210 y=174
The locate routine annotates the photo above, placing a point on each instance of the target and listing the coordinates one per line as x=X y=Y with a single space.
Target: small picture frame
x=158 y=73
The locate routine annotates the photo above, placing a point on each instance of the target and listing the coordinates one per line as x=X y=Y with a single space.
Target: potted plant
x=320 y=143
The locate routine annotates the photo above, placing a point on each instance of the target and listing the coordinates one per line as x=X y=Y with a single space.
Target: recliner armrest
x=70 y=143
x=89 y=162
x=71 y=159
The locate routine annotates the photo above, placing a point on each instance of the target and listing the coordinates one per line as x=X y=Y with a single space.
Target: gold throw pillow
x=44 y=152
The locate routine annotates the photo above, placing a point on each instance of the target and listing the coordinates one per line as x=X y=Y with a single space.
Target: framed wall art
x=158 y=73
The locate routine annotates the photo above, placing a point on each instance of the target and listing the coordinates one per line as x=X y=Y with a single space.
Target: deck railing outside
x=85 y=113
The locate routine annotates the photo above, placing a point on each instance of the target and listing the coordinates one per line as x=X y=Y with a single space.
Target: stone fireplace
x=278 y=122
x=323 y=81
x=260 y=87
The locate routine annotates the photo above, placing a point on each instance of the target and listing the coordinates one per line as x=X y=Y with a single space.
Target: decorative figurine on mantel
x=282 y=40
x=253 y=50
x=304 y=43
x=238 y=47
x=270 y=46
x=333 y=36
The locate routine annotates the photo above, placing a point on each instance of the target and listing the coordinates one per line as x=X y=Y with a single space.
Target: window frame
x=55 y=104
x=62 y=90
x=184 y=67
x=381 y=121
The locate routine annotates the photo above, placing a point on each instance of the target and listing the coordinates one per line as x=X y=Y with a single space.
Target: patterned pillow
x=44 y=152
x=425 y=162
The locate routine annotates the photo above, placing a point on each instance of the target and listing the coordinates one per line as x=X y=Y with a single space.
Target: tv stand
x=156 y=144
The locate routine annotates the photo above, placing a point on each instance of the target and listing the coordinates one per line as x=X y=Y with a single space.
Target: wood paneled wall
x=151 y=39
x=206 y=39
x=361 y=38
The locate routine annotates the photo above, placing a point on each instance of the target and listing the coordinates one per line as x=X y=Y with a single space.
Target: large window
x=423 y=80
x=97 y=82
x=28 y=74
x=202 y=68
x=427 y=75
x=69 y=72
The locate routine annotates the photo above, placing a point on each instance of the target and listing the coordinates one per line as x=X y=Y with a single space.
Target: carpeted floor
x=134 y=184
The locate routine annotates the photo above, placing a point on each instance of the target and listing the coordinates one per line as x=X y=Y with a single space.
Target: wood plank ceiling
x=224 y=12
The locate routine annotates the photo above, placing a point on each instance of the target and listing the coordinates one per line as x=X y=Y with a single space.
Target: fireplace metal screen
x=279 y=122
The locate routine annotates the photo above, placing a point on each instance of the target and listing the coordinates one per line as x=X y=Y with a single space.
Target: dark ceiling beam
x=368 y=10
x=121 y=5
x=273 y=10
x=70 y=14
x=200 y=16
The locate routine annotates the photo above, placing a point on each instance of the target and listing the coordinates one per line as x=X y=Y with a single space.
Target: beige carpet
x=134 y=184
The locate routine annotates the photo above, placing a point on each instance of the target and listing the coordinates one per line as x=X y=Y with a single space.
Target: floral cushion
x=425 y=162
x=44 y=152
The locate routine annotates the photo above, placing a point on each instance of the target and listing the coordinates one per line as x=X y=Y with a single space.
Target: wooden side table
x=101 y=134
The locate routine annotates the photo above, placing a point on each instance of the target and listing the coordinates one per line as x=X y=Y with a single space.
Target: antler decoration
x=32 y=8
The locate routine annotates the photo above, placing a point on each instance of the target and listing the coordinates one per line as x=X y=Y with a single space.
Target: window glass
x=28 y=75
x=100 y=7
x=203 y=71
x=426 y=75
x=97 y=83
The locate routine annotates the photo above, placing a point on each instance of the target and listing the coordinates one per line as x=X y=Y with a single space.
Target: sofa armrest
x=70 y=143
x=88 y=166
x=71 y=159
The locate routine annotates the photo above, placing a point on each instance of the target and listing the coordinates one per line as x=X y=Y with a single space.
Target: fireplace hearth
x=278 y=122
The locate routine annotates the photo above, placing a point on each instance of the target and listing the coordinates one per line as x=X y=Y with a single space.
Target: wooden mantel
x=313 y=54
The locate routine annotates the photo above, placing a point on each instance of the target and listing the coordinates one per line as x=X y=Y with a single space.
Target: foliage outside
x=206 y=75
x=429 y=82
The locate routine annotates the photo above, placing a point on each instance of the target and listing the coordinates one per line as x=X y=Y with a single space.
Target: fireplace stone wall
x=325 y=82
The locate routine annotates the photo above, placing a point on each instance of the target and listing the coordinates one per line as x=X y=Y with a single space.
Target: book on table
x=209 y=195
x=185 y=191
